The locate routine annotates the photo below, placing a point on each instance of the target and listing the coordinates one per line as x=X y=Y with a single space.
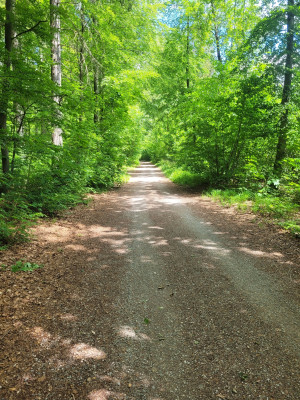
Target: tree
x=56 y=73
x=5 y=89
x=286 y=90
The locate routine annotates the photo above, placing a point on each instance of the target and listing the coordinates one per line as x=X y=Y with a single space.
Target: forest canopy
x=209 y=88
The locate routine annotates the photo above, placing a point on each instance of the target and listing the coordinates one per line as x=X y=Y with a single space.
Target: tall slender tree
x=5 y=89
x=56 y=73
x=286 y=90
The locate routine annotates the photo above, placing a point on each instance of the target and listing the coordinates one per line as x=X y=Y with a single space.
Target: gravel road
x=198 y=318
x=164 y=297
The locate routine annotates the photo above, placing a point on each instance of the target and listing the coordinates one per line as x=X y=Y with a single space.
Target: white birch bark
x=57 y=138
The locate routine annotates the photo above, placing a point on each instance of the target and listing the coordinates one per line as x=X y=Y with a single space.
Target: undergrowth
x=179 y=175
x=45 y=194
x=273 y=199
x=21 y=265
x=280 y=209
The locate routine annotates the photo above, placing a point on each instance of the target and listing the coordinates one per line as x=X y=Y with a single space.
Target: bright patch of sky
x=170 y=14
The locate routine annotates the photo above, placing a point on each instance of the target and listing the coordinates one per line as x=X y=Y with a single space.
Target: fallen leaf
x=221 y=396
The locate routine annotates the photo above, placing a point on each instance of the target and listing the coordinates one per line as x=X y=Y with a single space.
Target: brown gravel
x=152 y=293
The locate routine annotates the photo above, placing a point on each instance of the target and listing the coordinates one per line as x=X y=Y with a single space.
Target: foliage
x=180 y=176
x=225 y=109
x=212 y=87
x=104 y=71
x=24 y=266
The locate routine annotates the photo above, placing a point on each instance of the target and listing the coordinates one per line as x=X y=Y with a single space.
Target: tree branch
x=28 y=30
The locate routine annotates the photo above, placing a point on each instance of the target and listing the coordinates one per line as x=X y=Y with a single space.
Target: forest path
x=152 y=293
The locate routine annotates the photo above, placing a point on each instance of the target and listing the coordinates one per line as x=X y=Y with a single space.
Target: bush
x=185 y=178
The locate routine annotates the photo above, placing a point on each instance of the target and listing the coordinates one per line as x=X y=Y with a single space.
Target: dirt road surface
x=152 y=293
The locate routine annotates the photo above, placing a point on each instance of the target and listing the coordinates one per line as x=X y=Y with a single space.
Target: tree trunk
x=216 y=31
x=56 y=65
x=81 y=58
x=9 y=5
x=286 y=91
x=188 y=54
x=96 y=92
x=18 y=112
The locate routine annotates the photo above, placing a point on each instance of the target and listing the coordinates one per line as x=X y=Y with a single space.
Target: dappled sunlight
x=147 y=179
x=27 y=378
x=104 y=394
x=99 y=231
x=208 y=266
x=75 y=296
x=76 y=247
x=146 y=259
x=220 y=250
x=68 y=317
x=158 y=242
x=110 y=379
x=146 y=166
x=144 y=268
x=52 y=235
x=44 y=338
x=135 y=200
x=170 y=200
x=205 y=245
x=129 y=332
x=83 y=351
x=166 y=253
x=64 y=351
x=259 y=253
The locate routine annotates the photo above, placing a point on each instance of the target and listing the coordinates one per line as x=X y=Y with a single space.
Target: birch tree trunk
x=56 y=65
x=4 y=99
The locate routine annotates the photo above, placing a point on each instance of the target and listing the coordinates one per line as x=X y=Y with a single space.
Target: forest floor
x=152 y=293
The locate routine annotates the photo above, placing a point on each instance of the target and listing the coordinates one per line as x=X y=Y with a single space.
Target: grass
x=281 y=210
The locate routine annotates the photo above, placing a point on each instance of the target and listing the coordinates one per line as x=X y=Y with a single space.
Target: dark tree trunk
x=216 y=32
x=9 y=4
x=188 y=54
x=96 y=92
x=286 y=91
